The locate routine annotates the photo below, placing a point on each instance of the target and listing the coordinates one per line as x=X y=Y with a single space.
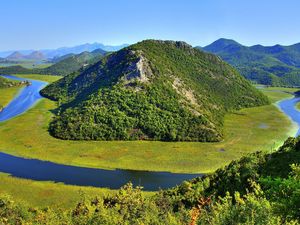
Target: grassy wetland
x=260 y=126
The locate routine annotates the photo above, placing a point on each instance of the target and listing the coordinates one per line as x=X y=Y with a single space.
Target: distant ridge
x=62 y=65
x=271 y=65
x=15 y=56
x=51 y=53
x=35 y=55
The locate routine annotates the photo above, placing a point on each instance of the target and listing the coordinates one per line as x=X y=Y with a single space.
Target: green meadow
x=298 y=106
x=44 y=194
x=47 y=78
x=264 y=127
x=27 y=64
x=6 y=94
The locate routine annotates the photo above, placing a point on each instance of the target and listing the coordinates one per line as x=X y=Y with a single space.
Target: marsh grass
x=27 y=136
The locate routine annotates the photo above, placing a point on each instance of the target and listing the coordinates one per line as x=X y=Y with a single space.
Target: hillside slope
x=154 y=90
x=74 y=62
x=274 y=65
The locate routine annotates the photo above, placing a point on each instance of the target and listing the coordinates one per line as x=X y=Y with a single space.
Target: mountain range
x=35 y=55
x=153 y=90
x=63 y=65
x=51 y=53
x=271 y=65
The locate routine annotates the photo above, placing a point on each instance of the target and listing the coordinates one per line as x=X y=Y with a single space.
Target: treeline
x=257 y=189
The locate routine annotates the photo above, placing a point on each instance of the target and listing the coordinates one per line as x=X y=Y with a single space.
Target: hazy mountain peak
x=15 y=56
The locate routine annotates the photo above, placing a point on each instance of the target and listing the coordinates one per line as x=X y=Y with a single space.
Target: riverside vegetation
x=257 y=189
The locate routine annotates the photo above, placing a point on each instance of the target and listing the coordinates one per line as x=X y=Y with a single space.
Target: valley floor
x=248 y=130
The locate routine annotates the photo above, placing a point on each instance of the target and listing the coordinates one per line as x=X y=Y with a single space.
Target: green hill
x=73 y=63
x=153 y=90
x=274 y=65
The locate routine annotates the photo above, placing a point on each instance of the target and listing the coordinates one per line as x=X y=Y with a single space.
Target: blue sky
x=39 y=24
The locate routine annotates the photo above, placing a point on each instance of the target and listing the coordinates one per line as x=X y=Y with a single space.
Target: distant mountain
x=15 y=56
x=36 y=55
x=71 y=62
x=271 y=65
x=51 y=53
x=4 y=54
x=64 y=65
x=81 y=48
x=154 y=90
x=60 y=58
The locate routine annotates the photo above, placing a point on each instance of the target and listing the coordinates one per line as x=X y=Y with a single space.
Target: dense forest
x=261 y=188
x=274 y=65
x=153 y=90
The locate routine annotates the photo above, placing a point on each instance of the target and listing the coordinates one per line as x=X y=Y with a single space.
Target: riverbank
x=248 y=130
x=46 y=194
x=33 y=141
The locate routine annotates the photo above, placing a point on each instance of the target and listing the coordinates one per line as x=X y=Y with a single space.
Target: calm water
x=48 y=171
x=288 y=106
x=26 y=98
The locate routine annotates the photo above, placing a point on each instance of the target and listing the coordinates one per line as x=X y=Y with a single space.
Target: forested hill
x=74 y=62
x=274 y=65
x=153 y=90
x=63 y=65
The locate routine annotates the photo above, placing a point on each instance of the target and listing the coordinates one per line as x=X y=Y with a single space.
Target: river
x=47 y=171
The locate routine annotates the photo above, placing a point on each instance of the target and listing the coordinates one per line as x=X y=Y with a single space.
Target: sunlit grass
x=47 y=78
x=45 y=194
x=7 y=94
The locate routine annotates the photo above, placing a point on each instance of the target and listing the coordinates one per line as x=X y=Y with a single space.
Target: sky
x=42 y=24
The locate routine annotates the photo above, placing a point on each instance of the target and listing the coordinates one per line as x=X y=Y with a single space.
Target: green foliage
x=247 y=209
x=73 y=63
x=285 y=192
x=246 y=194
x=279 y=194
x=276 y=65
x=180 y=94
x=14 y=70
